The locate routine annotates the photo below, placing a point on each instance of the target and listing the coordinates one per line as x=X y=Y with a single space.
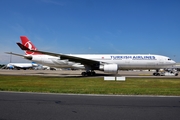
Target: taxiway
x=77 y=73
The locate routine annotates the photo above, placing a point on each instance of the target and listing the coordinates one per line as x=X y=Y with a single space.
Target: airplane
x=21 y=65
x=109 y=63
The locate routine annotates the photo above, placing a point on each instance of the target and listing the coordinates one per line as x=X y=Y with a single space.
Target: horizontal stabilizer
x=25 y=56
x=14 y=54
x=22 y=46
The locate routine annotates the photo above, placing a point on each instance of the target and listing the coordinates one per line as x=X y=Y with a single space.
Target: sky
x=91 y=27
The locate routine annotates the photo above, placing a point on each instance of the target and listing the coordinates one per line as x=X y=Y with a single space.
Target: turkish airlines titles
x=133 y=57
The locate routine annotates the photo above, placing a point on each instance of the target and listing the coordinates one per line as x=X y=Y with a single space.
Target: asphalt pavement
x=40 y=106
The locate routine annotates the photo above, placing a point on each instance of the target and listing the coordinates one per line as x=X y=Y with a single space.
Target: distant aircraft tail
x=27 y=43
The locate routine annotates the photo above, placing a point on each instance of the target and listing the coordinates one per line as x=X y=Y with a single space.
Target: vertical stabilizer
x=27 y=43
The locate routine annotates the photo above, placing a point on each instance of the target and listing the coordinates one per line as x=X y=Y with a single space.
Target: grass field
x=83 y=85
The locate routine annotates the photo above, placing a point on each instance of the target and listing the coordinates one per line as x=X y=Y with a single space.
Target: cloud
x=53 y=2
x=18 y=28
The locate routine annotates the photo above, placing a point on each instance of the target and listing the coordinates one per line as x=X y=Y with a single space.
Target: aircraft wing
x=27 y=57
x=63 y=56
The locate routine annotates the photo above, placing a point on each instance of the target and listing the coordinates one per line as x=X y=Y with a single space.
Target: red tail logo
x=27 y=43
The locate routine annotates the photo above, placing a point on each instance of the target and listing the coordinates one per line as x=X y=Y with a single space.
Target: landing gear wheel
x=88 y=73
x=93 y=73
x=156 y=74
x=84 y=73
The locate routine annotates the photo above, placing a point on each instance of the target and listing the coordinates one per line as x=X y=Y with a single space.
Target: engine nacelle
x=109 y=68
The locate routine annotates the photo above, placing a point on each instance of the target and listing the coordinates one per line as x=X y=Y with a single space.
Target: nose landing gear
x=167 y=72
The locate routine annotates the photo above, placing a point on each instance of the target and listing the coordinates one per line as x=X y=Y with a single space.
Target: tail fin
x=27 y=43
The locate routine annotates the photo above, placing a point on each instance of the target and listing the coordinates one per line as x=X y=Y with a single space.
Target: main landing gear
x=88 y=73
x=158 y=72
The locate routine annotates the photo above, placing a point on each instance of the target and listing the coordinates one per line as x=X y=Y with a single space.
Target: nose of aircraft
x=173 y=62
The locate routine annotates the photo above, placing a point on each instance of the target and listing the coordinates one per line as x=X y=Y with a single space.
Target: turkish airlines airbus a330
x=109 y=63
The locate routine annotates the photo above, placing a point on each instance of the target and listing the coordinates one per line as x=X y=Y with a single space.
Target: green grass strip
x=85 y=85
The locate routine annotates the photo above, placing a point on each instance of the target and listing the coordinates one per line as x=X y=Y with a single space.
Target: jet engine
x=109 y=68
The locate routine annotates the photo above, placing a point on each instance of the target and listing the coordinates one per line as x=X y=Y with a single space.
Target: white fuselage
x=124 y=61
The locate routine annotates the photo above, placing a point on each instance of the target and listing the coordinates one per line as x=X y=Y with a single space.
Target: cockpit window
x=169 y=59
